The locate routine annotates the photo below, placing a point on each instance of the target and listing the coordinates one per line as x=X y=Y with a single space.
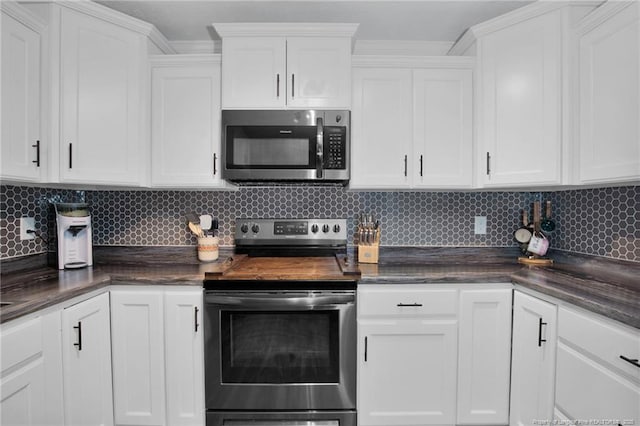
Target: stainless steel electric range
x=280 y=327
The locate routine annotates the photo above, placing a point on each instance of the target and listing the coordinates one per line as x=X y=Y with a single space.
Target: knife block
x=369 y=253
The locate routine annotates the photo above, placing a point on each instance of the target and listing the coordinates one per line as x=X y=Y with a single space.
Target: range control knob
x=255 y=228
x=244 y=228
x=314 y=228
x=336 y=228
x=325 y=228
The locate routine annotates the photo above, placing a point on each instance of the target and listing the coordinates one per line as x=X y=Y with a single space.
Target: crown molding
x=603 y=13
x=117 y=18
x=24 y=16
x=273 y=29
x=402 y=47
x=196 y=46
x=511 y=18
x=401 y=61
x=184 y=59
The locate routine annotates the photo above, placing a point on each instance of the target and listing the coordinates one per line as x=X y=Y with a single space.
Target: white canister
x=208 y=248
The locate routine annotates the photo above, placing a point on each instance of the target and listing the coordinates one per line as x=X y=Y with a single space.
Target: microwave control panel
x=335 y=147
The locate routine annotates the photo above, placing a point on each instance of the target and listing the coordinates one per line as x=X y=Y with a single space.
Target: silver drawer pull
x=403 y=305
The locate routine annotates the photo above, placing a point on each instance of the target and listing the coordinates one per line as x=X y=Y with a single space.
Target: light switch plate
x=480 y=226
x=27 y=223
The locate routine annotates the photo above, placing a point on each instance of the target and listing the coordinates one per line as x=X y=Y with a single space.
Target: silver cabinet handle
x=404 y=305
x=405 y=166
x=293 y=86
x=215 y=159
x=278 y=85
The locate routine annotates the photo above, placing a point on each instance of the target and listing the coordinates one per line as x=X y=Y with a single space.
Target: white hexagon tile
x=602 y=222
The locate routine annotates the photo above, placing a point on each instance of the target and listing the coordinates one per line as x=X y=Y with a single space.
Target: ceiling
x=419 y=20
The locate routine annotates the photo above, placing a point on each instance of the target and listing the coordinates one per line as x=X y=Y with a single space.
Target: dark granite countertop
x=607 y=287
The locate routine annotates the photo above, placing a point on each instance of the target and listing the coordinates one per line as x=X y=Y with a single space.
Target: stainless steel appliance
x=282 y=351
x=285 y=146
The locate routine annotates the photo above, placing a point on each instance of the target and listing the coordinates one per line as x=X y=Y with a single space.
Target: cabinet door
x=100 y=109
x=442 y=128
x=20 y=101
x=138 y=357
x=184 y=357
x=381 y=128
x=407 y=372
x=253 y=72
x=22 y=386
x=610 y=99
x=22 y=396
x=484 y=356
x=520 y=104
x=86 y=355
x=185 y=125
x=532 y=360
x=319 y=72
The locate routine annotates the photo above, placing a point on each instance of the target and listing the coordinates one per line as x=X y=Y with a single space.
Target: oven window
x=280 y=347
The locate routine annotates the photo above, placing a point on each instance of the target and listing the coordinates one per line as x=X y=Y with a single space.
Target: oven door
x=293 y=350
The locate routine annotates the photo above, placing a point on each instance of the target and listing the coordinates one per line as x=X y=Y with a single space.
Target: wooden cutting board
x=243 y=267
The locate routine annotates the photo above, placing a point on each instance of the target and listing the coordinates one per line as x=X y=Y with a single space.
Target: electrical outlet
x=480 y=226
x=27 y=224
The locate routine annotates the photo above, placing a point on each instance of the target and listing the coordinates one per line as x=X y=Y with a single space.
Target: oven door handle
x=279 y=300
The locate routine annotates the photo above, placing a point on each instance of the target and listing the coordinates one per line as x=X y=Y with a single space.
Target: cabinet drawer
x=601 y=339
x=406 y=300
x=587 y=390
x=21 y=342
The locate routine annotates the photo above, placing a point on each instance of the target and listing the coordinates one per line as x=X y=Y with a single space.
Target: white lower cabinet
x=432 y=354
x=138 y=357
x=22 y=387
x=590 y=356
x=184 y=357
x=158 y=358
x=484 y=355
x=533 y=358
x=86 y=354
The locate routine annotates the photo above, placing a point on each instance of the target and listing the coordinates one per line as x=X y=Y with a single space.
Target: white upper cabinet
x=100 y=101
x=609 y=106
x=381 y=128
x=254 y=72
x=412 y=123
x=22 y=143
x=286 y=65
x=443 y=128
x=319 y=72
x=520 y=104
x=185 y=121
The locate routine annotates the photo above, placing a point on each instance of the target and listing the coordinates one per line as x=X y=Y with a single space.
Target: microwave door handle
x=319 y=147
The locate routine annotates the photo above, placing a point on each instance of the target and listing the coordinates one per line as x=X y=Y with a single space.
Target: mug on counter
x=538 y=244
x=208 y=248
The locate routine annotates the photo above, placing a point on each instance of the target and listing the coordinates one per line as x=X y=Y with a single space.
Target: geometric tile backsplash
x=603 y=222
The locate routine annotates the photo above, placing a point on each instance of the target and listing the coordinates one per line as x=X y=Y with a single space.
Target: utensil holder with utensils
x=533 y=241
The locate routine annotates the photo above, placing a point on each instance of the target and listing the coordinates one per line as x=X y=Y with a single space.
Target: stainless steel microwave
x=285 y=146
